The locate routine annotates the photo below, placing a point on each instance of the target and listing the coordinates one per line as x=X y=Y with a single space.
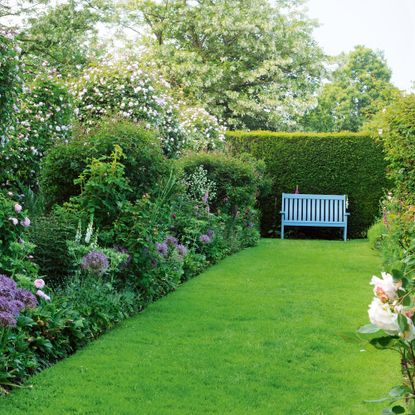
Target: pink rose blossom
x=39 y=283
x=17 y=208
x=14 y=221
x=43 y=295
x=25 y=222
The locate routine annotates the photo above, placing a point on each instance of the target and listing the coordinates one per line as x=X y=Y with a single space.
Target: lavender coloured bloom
x=7 y=305
x=171 y=240
x=162 y=248
x=6 y=283
x=26 y=297
x=7 y=319
x=96 y=262
x=181 y=250
x=205 y=239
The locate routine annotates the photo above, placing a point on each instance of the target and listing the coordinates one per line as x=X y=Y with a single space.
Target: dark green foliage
x=144 y=162
x=49 y=233
x=319 y=163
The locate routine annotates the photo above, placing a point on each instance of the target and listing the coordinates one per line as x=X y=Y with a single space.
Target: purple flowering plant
x=95 y=262
x=13 y=300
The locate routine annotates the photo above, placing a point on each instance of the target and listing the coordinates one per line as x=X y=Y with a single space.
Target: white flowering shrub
x=199 y=186
x=44 y=117
x=10 y=83
x=204 y=131
x=124 y=90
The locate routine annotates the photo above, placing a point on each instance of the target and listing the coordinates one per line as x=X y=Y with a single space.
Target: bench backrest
x=314 y=208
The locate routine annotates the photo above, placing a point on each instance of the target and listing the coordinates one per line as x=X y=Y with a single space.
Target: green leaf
x=383 y=342
x=403 y=323
x=407 y=301
x=368 y=329
x=397 y=274
x=397 y=409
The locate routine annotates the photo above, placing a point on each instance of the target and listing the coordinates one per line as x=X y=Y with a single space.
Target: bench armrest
x=347 y=214
x=282 y=212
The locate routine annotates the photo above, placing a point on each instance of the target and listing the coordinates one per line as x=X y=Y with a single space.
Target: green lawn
x=266 y=331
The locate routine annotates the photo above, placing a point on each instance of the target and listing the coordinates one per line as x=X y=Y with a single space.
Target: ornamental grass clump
x=12 y=301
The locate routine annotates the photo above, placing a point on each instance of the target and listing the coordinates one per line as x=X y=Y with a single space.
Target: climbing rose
x=17 y=208
x=382 y=316
x=385 y=288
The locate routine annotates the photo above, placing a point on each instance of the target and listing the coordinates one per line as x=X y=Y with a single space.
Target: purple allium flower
x=7 y=319
x=162 y=248
x=26 y=297
x=171 y=240
x=25 y=222
x=96 y=262
x=181 y=250
x=7 y=286
x=205 y=239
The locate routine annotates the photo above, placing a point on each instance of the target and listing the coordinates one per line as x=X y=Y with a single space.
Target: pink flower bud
x=39 y=283
x=17 y=208
x=43 y=295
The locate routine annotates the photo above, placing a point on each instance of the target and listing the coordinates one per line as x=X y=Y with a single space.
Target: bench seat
x=314 y=210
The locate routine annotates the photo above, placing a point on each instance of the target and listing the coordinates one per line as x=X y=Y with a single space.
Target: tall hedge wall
x=319 y=163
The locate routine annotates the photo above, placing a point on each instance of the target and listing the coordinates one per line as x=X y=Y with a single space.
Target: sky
x=388 y=25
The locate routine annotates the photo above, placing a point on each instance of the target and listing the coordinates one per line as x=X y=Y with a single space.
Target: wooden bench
x=314 y=210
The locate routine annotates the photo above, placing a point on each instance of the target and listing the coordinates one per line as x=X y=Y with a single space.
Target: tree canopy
x=359 y=88
x=252 y=63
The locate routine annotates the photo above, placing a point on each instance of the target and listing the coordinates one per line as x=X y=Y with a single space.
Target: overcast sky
x=388 y=25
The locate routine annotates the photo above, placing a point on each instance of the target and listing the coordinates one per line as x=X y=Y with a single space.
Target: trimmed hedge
x=319 y=163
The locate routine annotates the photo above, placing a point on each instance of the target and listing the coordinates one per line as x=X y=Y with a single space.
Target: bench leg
x=345 y=233
x=282 y=231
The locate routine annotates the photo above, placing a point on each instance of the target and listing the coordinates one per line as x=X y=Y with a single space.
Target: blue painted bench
x=314 y=210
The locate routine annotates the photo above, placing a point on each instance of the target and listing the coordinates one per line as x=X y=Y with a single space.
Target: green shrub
x=144 y=164
x=375 y=234
x=237 y=180
x=398 y=137
x=320 y=163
